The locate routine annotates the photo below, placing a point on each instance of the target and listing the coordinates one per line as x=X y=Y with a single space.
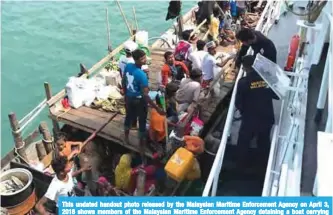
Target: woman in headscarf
x=126 y=176
x=123 y=172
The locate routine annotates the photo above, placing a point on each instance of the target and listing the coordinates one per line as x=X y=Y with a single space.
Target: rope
x=41 y=105
x=18 y=154
x=48 y=141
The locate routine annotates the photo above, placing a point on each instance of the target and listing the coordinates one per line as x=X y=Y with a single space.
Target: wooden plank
x=111 y=132
x=47 y=160
x=32 y=136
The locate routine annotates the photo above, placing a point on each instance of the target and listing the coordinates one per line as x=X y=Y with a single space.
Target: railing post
x=48 y=93
x=323 y=91
x=47 y=138
x=19 y=143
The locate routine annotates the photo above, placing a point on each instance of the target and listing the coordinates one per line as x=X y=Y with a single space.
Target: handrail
x=293 y=155
x=217 y=164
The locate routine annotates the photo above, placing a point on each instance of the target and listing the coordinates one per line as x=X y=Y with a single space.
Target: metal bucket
x=12 y=199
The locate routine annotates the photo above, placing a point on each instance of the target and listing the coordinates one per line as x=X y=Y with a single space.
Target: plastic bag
x=196 y=126
x=74 y=92
x=194 y=144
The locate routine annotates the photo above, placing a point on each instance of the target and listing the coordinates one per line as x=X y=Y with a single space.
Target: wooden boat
x=39 y=146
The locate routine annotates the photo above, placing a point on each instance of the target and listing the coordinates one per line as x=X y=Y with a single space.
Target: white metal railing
x=213 y=178
x=287 y=172
x=327 y=87
x=27 y=119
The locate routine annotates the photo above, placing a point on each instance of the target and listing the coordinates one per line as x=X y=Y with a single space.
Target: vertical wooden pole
x=48 y=93
x=41 y=151
x=134 y=32
x=124 y=17
x=136 y=21
x=180 y=26
x=19 y=144
x=108 y=30
x=47 y=138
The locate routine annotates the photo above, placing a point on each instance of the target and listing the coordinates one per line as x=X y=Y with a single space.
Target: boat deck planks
x=89 y=120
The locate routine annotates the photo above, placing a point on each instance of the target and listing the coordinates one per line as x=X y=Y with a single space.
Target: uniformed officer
x=254 y=101
x=258 y=42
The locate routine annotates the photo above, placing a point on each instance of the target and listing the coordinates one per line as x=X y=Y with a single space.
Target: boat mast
x=108 y=30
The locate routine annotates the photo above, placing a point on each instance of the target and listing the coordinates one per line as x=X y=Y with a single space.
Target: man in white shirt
x=188 y=93
x=209 y=63
x=196 y=57
x=61 y=185
x=129 y=47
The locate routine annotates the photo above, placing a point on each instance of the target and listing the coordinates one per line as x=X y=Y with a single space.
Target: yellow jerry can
x=180 y=163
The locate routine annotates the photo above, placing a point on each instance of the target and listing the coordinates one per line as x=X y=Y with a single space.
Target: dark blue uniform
x=263 y=45
x=254 y=101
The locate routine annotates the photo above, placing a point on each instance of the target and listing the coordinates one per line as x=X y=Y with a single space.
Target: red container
x=292 y=53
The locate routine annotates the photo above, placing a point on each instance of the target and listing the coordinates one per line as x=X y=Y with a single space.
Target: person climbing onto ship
x=176 y=70
x=188 y=93
x=258 y=42
x=184 y=47
x=196 y=57
x=61 y=185
x=135 y=85
x=254 y=101
x=209 y=63
x=129 y=47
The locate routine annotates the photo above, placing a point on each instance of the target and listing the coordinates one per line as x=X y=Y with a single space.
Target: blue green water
x=46 y=41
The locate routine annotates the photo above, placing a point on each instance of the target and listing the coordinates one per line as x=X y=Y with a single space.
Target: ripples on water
x=46 y=41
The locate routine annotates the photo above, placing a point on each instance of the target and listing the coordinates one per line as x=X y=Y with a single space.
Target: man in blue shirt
x=135 y=85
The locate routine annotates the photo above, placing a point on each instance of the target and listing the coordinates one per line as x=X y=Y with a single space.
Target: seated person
x=226 y=33
x=214 y=25
x=176 y=70
x=61 y=185
x=189 y=91
x=246 y=21
x=125 y=175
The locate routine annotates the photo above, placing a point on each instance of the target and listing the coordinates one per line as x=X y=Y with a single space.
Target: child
x=67 y=148
x=171 y=103
x=61 y=185
x=157 y=129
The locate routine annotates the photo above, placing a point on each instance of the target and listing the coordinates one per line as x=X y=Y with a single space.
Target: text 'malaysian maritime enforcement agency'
x=159 y=206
